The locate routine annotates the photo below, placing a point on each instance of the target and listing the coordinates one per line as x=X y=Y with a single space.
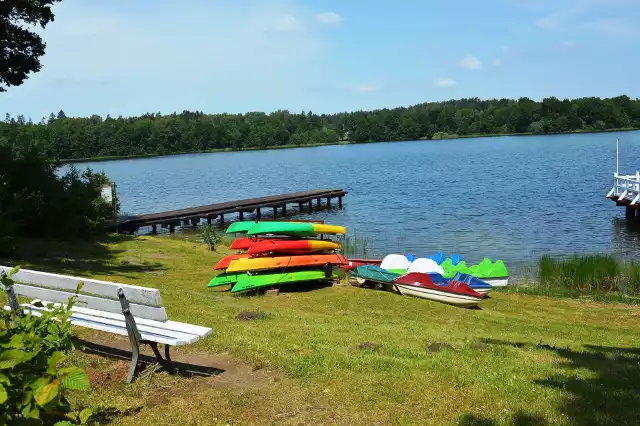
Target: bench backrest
x=95 y=294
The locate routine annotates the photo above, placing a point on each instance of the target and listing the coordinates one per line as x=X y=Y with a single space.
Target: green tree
x=21 y=48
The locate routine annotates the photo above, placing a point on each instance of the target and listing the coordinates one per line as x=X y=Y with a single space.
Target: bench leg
x=133 y=367
x=160 y=361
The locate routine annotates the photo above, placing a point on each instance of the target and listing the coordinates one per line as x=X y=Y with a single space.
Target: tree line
x=62 y=137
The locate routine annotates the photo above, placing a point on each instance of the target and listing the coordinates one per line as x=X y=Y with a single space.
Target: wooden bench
x=121 y=309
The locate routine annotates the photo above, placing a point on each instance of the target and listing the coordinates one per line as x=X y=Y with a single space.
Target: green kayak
x=238 y=227
x=297 y=229
x=375 y=274
x=225 y=279
x=252 y=282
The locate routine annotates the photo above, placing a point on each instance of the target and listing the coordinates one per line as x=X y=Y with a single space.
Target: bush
x=36 y=202
x=210 y=237
x=32 y=382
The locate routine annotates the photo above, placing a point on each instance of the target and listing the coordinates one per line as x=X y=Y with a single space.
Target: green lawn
x=525 y=360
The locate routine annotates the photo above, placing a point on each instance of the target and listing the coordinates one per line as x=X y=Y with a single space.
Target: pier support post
x=284 y=210
x=194 y=223
x=328 y=202
x=275 y=212
x=340 y=202
x=154 y=229
x=258 y=213
x=221 y=219
x=241 y=215
x=300 y=207
x=172 y=228
x=629 y=213
x=209 y=220
x=319 y=202
x=310 y=206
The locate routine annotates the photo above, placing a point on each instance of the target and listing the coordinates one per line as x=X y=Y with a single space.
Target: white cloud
x=287 y=23
x=568 y=44
x=445 y=82
x=548 y=22
x=364 y=88
x=470 y=62
x=496 y=62
x=328 y=18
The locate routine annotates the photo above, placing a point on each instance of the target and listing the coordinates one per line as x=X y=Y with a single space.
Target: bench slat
x=148 y=333
x=135 y=294
x=138 y=311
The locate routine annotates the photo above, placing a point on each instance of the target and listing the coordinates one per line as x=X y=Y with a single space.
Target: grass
x=521 y=359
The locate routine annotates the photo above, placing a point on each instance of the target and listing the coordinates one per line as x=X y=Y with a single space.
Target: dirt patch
x=203 y=368
x=480 y=346
x=117 y=372
x=367 y=346
x=158 y=256
x=249 y=316
x=439 y=347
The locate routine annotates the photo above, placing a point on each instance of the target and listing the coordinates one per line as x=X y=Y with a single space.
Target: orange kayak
x=225 y=261
x=263 y=263
x=292 y=246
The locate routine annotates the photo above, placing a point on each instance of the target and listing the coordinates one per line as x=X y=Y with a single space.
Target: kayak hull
x=253 y=282
x=296 y=229
x=281 y=262
x=292 y=246
x=226 y=261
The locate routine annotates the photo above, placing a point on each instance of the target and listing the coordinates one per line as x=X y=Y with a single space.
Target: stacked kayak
x=276 y=253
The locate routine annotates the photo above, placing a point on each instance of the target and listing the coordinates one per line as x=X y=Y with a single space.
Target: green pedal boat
x=494 y=273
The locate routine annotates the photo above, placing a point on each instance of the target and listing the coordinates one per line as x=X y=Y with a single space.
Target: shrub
x=32 y=382
x=210 y=237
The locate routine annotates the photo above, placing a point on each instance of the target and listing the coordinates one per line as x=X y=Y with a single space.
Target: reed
x=592 y=274
x=354 y=246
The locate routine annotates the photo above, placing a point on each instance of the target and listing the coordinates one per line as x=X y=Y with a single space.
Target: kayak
x=297 y=229
x=244 y=243
x=252 y=282
x=224 y=279
x=225 y=261
x=493 y=273
x=455 y=293
x=240 y=227
x=263 y=263
x=373 y=273
x=292 y=246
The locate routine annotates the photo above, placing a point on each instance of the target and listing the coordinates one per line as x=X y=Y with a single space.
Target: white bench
x=122 y=309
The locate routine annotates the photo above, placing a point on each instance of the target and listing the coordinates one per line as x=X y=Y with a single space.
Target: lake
x=512 y=198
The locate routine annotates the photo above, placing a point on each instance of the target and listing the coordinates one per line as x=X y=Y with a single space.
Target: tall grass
x=588 y=274
x=354 y=246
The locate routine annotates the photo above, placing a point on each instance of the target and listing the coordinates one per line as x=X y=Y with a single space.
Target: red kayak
x=225 y=261
x=292 y=246
x=244 y=243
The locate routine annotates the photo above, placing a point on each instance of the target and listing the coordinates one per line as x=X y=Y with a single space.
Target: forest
x=61 y=137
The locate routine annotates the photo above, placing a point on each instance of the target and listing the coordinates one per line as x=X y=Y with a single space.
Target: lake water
x=512 y=198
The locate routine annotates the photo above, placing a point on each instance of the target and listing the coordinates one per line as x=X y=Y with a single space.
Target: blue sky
x=128 y=57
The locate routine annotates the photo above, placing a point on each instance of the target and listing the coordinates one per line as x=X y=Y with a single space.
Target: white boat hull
x=438 y=295
x=497 y=282
x=483 y=291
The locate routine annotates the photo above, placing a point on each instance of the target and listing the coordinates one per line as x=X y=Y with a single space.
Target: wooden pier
x=195 y=215
x=626 y=192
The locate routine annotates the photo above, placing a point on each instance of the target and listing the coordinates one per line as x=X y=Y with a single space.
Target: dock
x=626 y=192
x=194 y=216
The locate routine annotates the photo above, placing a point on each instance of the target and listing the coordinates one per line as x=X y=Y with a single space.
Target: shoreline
x=211 y=151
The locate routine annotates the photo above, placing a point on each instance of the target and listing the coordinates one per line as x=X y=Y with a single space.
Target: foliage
x=210 y=237
x=32 y=382
x=72 y=138
x=590 y=274
x=36 y=201
x=21 y=48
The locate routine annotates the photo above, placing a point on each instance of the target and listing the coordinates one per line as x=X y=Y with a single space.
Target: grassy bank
x=345 y=355
x=494 y=135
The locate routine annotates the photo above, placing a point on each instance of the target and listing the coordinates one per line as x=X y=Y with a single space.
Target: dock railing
x=626 y=187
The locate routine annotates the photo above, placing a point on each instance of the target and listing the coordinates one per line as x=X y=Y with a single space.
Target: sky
x=129 y=57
